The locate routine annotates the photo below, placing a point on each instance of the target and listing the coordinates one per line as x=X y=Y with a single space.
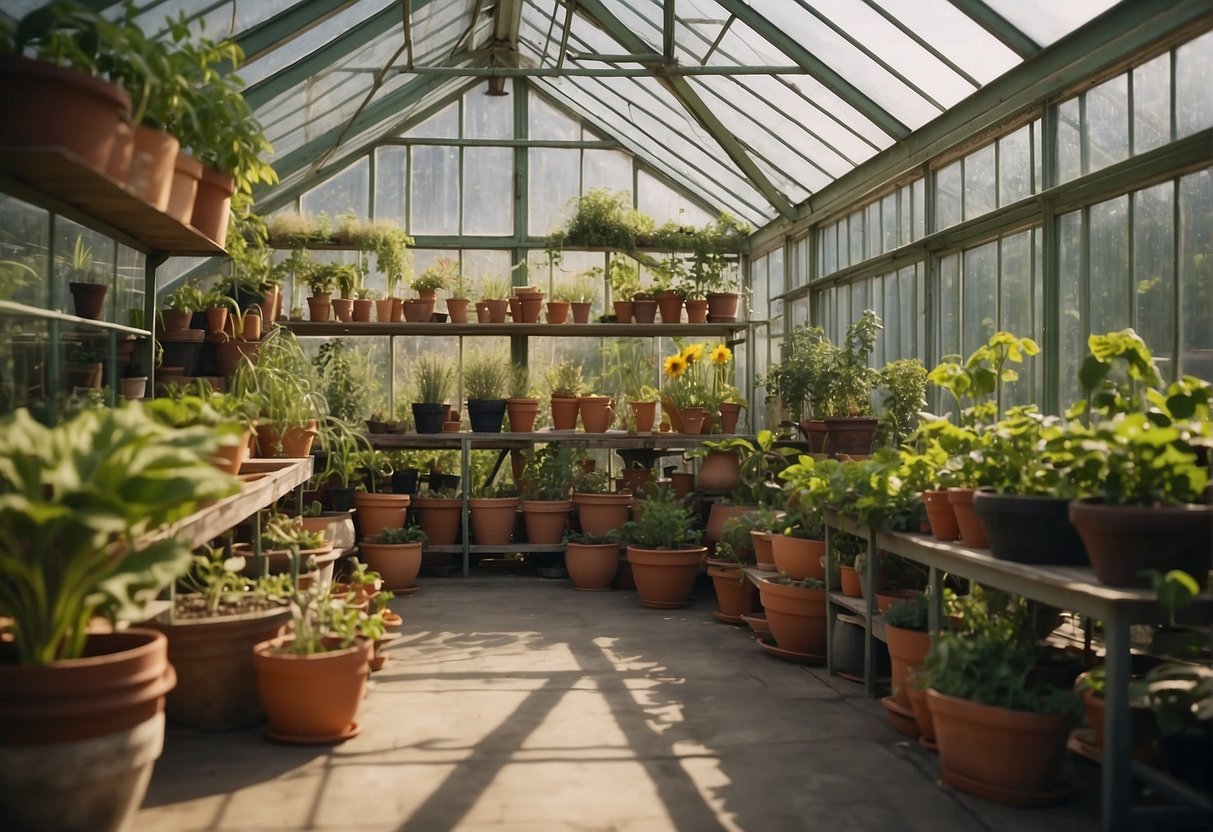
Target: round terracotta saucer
x=296 y=739
x=758 y=623
x=787 y=655
x=999 y=794
x=592 y=588
x=727 y=619
x=901 y=718
x=666 y=605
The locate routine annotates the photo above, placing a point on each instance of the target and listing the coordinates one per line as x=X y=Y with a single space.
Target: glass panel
x=1014 y=166
x=442 y=125
x=1109 y=292
x=348 y=190
x=24 y=378
x=1069 y=141
x=948 y=342
x=1196 y=272
x=1193 y=83
x=1072 y=340
x=479 y=263
x=547 y=122
x=947 y=196
x=775 y=273
x=872 y=234
x=905 y=215
x=1108 y=123
x=663 y=203
x=980 y=296
x=1015 y=307
x=1154 y=269
x=858 y=233
x=1152 y=104
x=487 y=116
x=800 y=262
x=81 y=256
x=980 y=183
x=829 y=249
x=917 y=192
x=390 y=170
x=488 y=190
x=1038 y=182
x=844 y=242
x=758 y=285
x=130 y=287
x=606 y=169
x=554 y=180
x=434 y=190
x=24 y=237
x=892 y=318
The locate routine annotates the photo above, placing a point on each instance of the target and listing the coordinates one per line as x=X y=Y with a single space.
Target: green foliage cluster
x=662 y=522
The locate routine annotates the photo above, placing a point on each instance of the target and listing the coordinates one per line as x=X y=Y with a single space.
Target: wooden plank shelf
x=668 y=442
x=68 y=181
x=332 y=328
x=475 y=549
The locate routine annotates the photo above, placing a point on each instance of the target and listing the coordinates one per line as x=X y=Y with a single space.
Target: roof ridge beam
x=1010 y=35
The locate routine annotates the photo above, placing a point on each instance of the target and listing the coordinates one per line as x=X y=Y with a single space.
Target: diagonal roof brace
x=1010 y=35
x=288 y=24
x=685 y=94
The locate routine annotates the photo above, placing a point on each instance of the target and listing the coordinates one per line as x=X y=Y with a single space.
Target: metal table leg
x=1118 y=741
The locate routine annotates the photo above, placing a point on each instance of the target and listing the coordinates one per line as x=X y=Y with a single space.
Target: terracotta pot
x=545 y=520
x=1121 y=541
x=343 y=309
x=697 y=311
x=972 y=530
x=44 y=105
x=581 y=312
x=336 y=526
x=718 y=515
x=211 y=206
x=428 y=294
x=564 y=413
x=377 y=512
x=852 y=587
x=722 y=307
x=216 y=319
x=719 y=472
x=815 y=433
x=383 y=310
x=522 y=414
x=730 y=414
x=1006 y=756
x=683 y=483
x=397 y=310
x=889 y=597
x=319 y=307
x=922 y=713
x=664 y=577
x=530 y=307
x=397 y=563
x=151 y=177
x=216 y=684
x=669 y=304
x=79 y=737
x=735 y=594
x=118 y=167
x=907 y=651
x=271 y=302
x=592 y=567
x=940 y=515
x=362 y=310
x=851 y=436
x=457 y=309
x=600 y=513
x=441 y=518
x=694 y=420
x=228 y=355
x=644 y=415
x=635 y=479
x=492 y=519
x=88 y=300
x=497 y=309
x=1030 y=529
x=183 y=190
x=799 y=558
x=796 y=615
x=623 y=311
x=229 y=458
x=597 y=413
x=312 y=698
x=296 y=443
x=644 y=310
x=558 y=311
x=482 y=312
x=171 y=320
x=134 y=388
x=762 y=549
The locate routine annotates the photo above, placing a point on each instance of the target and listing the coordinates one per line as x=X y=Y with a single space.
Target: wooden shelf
x=858 y=606
x=68 y=181
x=618 y=440
x=457 y=549
x=328 y=329
x=266 y=481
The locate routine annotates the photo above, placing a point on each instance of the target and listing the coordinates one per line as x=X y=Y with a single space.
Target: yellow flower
x=721 y=355
x=693 y=353
x=675 y=365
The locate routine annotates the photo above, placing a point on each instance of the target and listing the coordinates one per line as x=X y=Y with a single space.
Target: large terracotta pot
x=211 y=206
x=644 y=414
x=151 y=177
x=295 y=443
x=1009 y=757
x=940 y=515
x=397 y=563
x=922 y=713
x=797 y=617
x=228 y=355
x=216 y=685
x=1121 y=541
x=736 y=595
x=815 y=433
x=799 y=558
x=664 y=577
x=564 y=413
x=377 y=512
x=530 y=306
x=719 y=514
x=600 y=513
x=558 y=311
x=440 y=518
x=79 y=737
x=762 y=549
x=492 y=519
x=522 y=414
x=187 y=172
x=597 y=413
x=907 y=651
x=592 y=566
x=722 y=307
x=972 y=530
x=719 y=472
x=319 y=308
x=45 y=105
x=545 y=520
x=312 y=698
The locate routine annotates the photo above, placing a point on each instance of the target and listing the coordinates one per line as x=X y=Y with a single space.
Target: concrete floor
x=519 y=704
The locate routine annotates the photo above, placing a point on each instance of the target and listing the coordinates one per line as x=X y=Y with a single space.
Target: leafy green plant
x=565 y=381
x=547 y=473
x=980 y=379
x=282 y=382
x=187 y=297
x=802 y=373
x=442 y=274
x=663 y=522
x=520 y=381
x=486 y=375
x=433 y=375
x=280 y=532
x=494 y=288
x=76 y=503
x=592 y=482
x=407 y=534
x=761 y=466
x=908 y=613
x=623 y=278
x=905 y=385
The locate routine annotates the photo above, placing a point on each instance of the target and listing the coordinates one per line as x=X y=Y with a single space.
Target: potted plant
x=625 y=285
x=628 y=374
x=492 y=511
x=440 y=513
x=460 y=289
x=521 y=407
x=433 y=374
x=180 y=306
x=591 y=560
x=801 y=377
x=597 y=412
x=848 y=405
x=486 y=376
x=321 y=280
x=663 y=550
x=396 y=555
x=796 y=614
x=908 y=640
x=80 y=503
x=283 y=383
x=798 y=548
x=566 y=384
x=494 y=293
x=444 y=273
x=582 y=293
x=558 y=306
x=347 y=277
x=544 y=493
x=599 y=511
x=736 y=595
x=905 y=384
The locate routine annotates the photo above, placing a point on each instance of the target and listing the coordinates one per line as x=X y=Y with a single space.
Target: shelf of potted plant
x=731 y=331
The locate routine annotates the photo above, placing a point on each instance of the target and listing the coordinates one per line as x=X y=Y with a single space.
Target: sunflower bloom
x=693 y=353
x=675 y=365
x=721 y=355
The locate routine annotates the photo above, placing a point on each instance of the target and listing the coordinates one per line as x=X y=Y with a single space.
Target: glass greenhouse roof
x=750 y=105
